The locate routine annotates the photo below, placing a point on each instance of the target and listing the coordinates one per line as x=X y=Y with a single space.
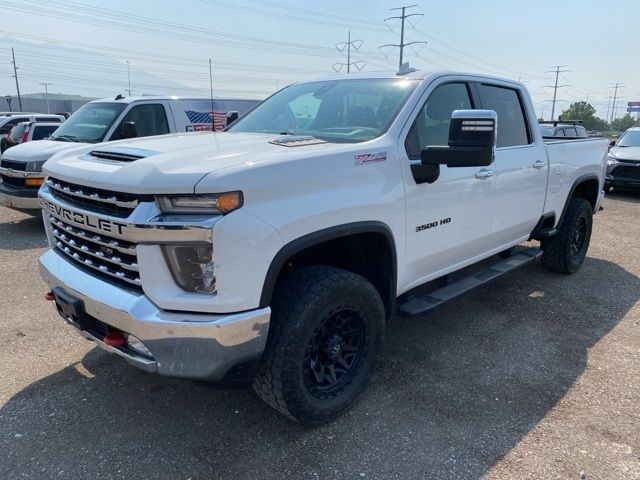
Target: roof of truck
x=415 y=75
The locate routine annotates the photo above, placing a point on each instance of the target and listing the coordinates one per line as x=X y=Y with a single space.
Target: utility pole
x=129 y=79
x=402 y=18
x=15 y=75
x=213 y=123
x=46 y=95
x=555 y=87
x=348 y=45
x=616 y=86
x=608 y=108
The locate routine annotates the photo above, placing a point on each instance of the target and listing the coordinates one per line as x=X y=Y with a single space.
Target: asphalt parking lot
x=532 y=376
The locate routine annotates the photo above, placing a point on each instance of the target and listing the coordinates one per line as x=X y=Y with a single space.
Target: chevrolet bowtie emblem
x=9 y=173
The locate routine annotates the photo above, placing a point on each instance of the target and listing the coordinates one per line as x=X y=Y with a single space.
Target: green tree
x=584 y=111
x=622 y=123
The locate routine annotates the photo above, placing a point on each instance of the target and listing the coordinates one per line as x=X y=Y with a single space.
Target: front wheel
x=325 y=335
x=565 y=252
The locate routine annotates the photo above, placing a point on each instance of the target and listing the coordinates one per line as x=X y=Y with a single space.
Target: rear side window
x=512 y=126
x=17 y=131
x=570 y=132
x=559 y=133
x=48 y=119
x=431 y=127
x=43 y=131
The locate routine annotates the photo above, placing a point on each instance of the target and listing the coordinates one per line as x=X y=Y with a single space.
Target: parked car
x=562 y=129
x=27 y=131
x=277 y=251
x=8 y=122
x=104 y=120
x=623 y=162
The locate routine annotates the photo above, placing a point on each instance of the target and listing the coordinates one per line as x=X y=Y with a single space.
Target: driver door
x=449 y=220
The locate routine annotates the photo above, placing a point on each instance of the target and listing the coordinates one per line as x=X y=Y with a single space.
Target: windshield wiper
x=65 y=138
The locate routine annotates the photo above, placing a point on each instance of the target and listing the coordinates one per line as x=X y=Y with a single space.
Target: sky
x=257 y=46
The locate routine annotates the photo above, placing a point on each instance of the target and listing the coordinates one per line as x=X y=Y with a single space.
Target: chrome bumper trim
x=20 y=203
x=183 y=344
x=11 y=172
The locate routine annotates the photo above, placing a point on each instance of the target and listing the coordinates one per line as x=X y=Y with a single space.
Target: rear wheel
x=565 y=252
x=325 y=336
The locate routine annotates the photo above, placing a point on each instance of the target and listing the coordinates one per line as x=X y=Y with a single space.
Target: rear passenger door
x=520 y=166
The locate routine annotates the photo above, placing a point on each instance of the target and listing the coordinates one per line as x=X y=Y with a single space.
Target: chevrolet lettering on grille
x=82 y=219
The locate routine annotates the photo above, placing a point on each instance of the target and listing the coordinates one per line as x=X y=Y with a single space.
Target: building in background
x=37 y=102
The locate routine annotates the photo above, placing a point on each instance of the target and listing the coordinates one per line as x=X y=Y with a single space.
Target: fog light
x=135 y=344
x=192 y=267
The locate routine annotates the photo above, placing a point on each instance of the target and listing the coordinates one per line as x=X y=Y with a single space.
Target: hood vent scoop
x=119 y=155
x=296 y=140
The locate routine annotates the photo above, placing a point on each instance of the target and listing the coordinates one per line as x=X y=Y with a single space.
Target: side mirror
x=231 y=117
x=612 y=143
x=129 y=130
x=472 y=141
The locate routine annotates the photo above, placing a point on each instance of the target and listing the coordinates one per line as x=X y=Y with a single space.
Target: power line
x=348 y=45
x=15 y=75
x=555 y=87
x=402 y=19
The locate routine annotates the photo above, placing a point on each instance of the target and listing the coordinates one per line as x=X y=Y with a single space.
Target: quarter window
x=512 y=126
x=431 y=127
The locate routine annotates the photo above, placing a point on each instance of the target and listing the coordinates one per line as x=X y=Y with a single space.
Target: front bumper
x=20 y=198
x=621 y=182
x=183 y=344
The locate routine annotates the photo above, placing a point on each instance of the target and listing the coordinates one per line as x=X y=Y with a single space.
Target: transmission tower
x=402 y=19
x=558 y=70
x=347 y=46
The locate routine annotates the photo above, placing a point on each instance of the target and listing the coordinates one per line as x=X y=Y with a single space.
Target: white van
x=105 y=120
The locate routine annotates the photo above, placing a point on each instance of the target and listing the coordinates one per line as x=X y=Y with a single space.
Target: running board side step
x=420 y=303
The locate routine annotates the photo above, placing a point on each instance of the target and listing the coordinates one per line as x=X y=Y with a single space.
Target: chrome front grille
x=95 y=199
x=116 y=259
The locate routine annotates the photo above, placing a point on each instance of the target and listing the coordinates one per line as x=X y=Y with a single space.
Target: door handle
x=539 y=164
x=484 y=173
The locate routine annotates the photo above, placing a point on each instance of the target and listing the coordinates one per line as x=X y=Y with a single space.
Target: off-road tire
x=559 y=253
x=304 y=301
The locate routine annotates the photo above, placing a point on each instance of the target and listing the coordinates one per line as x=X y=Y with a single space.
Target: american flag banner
x=201 y=121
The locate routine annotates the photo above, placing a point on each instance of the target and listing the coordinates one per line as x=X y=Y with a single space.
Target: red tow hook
x=114 y=339
x=49 y=296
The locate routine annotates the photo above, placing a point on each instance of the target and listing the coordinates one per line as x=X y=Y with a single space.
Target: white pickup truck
x=277 y=251
x=105 y=120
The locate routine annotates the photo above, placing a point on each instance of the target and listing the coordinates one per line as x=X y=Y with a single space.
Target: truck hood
x=38 y=151
x=626 y=153
x=174 y=163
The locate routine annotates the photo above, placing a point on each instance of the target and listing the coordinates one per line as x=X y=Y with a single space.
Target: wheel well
x=587 y=189
x=369 y=254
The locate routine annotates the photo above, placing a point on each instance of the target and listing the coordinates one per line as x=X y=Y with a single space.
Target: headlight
x=192 y=267
x=214 y=203
x=611 y=160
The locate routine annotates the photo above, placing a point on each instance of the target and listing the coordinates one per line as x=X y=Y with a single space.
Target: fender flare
x=579 y=180
x=321 y=236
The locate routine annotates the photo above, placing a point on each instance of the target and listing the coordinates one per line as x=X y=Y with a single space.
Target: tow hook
x=114 y=339
x=49 y=296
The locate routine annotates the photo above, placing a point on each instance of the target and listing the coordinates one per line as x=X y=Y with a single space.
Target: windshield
x=334 y=110
x=90 y=123
x=631 y=138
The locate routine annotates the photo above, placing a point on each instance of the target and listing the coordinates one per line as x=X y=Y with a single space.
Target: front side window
x=149 y=119
x=431 y=127
x=43 y=131
x=90 y=123
x=334 y=110
x=512 y=127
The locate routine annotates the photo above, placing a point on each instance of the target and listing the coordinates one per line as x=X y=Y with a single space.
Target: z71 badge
x=373 y=157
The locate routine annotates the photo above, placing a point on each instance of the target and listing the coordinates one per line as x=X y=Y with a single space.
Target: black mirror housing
x=612 y=143
x=472 y=141
x=129 y=130
x=231 y=117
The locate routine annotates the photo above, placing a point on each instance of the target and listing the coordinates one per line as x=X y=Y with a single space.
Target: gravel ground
x=532 y=376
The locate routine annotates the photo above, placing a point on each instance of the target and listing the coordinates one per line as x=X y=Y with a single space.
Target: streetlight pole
x=8 y=98
x=46 y=95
